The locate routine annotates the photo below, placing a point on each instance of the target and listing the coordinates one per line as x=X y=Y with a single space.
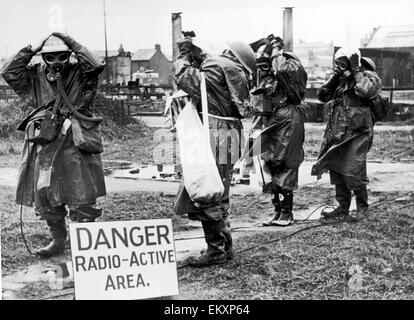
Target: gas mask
x=264 y=66
x=56 y=63
x=263 y=59
x=342 y=64
x=277 y=61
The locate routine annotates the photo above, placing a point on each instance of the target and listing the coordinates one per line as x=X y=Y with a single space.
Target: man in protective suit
x=279 y=119
x=227 y=81
x=349 y=132
x=56 y=175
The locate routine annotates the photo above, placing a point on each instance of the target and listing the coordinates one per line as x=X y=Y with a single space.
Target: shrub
x=11 y=115
x=113 y=112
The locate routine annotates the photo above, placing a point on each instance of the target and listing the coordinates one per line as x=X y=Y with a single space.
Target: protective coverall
x=348 y=136
x=282 y=134
x=227 y=95
x=58 y=175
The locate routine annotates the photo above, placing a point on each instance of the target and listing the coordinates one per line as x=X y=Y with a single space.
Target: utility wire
x=320 y=224
x=374 y=205
x=273 y=240
x=406 y=206
x=389 y=200
x=22 y=232
x=288 y=235
x=21 y=209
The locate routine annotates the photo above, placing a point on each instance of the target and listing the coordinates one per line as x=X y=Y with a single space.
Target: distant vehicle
x=146 y=78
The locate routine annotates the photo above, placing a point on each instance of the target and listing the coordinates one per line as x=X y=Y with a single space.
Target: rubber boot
x=81 y=220
x=361 y=197
x=286 y=216
x=228 y=244
x=215 y=238
x=278 y=210
x=343 y=196
x=59 y=233
x=84 y=213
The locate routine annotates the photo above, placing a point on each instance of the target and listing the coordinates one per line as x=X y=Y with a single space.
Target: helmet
x=290 y=55
x=340 y=53
x=347 y=52
x=54 y=44
x=245 y=54
x=368 y=64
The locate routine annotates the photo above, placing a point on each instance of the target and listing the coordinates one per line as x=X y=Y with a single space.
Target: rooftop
x=101 y=53
x=398 y=36
x=143 y=54
x=147 y=54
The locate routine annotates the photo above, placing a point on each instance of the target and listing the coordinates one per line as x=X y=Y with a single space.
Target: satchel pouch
x=379 y=107
x=87 y=136
x=261 y=104
x=43 y=130
x=359 y=119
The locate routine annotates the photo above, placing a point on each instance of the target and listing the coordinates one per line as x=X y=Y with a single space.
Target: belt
x=223 y=118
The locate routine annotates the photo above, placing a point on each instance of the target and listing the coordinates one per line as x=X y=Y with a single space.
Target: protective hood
x=54 y=44
x=347 y=52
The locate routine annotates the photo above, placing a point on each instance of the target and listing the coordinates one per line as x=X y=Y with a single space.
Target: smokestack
x=176 y=32
x=288 y=28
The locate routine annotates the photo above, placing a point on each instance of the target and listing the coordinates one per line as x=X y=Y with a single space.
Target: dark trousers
x=344 y=185
x=76 y=213
x=286 y=204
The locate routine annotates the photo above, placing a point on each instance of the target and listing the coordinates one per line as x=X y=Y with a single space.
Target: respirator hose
x=75 y=112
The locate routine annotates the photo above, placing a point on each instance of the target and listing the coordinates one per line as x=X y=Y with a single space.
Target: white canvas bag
x=200 y=173
x=263 y=173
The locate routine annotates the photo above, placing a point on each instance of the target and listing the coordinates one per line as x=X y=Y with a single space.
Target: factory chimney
x=288 y=28
x=176 y=32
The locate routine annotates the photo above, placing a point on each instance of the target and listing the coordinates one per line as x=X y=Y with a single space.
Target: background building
x=317 y=59
x=2 y=63
x=119 y=64
x=152 y=60
x=392 y=49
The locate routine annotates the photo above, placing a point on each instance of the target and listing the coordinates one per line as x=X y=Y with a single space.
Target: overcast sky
x=140 y=24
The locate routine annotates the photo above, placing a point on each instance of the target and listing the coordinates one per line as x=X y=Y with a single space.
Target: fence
x=7 y=94
x=401 y=102
x=139 y=100
x=151 y=101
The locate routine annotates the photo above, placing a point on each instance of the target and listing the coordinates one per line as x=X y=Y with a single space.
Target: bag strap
x=56 y=106
x=204 y=105
x=222 y=118
x=67 y=102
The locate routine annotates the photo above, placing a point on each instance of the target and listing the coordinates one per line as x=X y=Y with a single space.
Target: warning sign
x=123 y=259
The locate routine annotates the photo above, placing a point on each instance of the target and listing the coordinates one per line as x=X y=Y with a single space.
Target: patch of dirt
x=315 y=264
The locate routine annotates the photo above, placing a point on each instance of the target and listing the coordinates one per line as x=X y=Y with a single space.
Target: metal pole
x=106 y=47
x=288 y=28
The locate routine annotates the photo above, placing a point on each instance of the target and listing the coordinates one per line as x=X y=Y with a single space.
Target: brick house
x=119 y=64
x=155 y=60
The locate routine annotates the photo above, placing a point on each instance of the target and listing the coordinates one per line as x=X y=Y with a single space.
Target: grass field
x=136 y=144
x=388 y=145
x=318 y=264
x=314 y=264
